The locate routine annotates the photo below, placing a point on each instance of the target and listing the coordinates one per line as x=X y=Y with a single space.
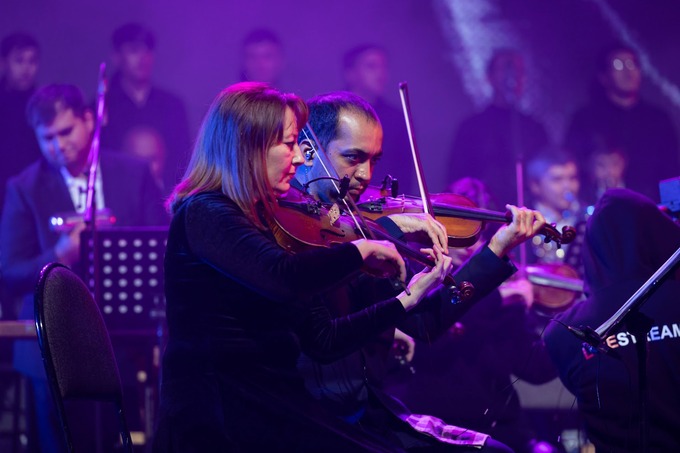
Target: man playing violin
x=350 y=132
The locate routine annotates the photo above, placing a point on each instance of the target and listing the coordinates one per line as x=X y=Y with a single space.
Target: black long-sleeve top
x=235 y=297
x=343 y=385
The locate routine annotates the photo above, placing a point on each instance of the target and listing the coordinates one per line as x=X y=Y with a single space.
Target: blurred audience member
x=19 y=61
x=262 y=58
x=366 y=73
x=627 y=239
x=488 y=144
x=605 y=169
x=146 y=143
x=643 y=133
x=133 y=101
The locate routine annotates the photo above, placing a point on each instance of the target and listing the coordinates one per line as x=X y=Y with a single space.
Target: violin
x=300 y=223
x=556 y=286
x=463 y=220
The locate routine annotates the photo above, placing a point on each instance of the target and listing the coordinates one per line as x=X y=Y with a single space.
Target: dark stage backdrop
x=198 y=43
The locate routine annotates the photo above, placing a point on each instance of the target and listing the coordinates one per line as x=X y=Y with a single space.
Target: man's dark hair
x=48 y=101
x=604 y=55
x=132 y=33
x=349 y=60
x=17 y=41
x=324 y=111
x=260 y=35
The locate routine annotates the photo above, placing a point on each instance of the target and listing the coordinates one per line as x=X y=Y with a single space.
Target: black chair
x=75 y=345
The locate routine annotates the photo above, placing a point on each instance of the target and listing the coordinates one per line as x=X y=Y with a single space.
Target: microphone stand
x=90 y=214
x=639 y=325
x=518 y=153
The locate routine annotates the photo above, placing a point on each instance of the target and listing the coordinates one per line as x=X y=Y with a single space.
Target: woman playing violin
x=235 y=298
x=351 y=387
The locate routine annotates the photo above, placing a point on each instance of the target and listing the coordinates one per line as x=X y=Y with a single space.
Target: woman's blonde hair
x=242 y=123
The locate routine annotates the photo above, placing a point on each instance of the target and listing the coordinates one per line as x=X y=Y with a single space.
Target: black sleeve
x=325 y=339
x=434 y=315
x=22 y=254
x=219 y=233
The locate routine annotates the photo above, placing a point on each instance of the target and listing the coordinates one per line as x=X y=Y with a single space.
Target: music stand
x=639 y=325
x=126 y=278
x=127 y=275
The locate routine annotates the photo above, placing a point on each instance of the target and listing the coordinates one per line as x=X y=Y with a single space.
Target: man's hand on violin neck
x=427 y=279
x=525 y=224
x=422 y=223
x=381 y=259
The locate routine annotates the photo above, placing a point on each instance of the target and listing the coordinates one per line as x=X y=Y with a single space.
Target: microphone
x=585 y=333
x=344 y=187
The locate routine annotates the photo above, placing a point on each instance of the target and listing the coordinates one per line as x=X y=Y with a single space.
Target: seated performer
x=350 y=132
x=235 y=296
x=627 y=240
x=55 y=184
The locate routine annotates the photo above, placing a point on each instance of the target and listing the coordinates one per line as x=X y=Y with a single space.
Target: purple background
x=198 y=44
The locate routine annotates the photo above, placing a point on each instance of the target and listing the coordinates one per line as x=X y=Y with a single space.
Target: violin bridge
x=334 y=213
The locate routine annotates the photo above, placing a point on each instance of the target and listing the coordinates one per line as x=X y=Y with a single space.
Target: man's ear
x=307 y=152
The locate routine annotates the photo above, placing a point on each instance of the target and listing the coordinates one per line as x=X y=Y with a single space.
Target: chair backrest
x=75 y=343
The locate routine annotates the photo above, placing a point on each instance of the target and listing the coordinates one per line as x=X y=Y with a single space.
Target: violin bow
x=415 y=154
x=465 y=289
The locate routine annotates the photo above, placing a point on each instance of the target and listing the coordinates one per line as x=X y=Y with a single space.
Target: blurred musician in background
x=606 y=169
x=133 y=101
x=554 y=182
x=19 y=62
x=366 y=73
x=146 y=143
x=488 y=144
x=262 y=57
x=57 y=183
x=617 y=117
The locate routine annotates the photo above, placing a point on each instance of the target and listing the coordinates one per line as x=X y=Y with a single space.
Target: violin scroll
x=552 y=234
x=464 y=291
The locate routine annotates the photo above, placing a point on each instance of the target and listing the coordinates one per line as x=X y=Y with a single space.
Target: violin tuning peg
x=455 y=294
x=462 y=292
